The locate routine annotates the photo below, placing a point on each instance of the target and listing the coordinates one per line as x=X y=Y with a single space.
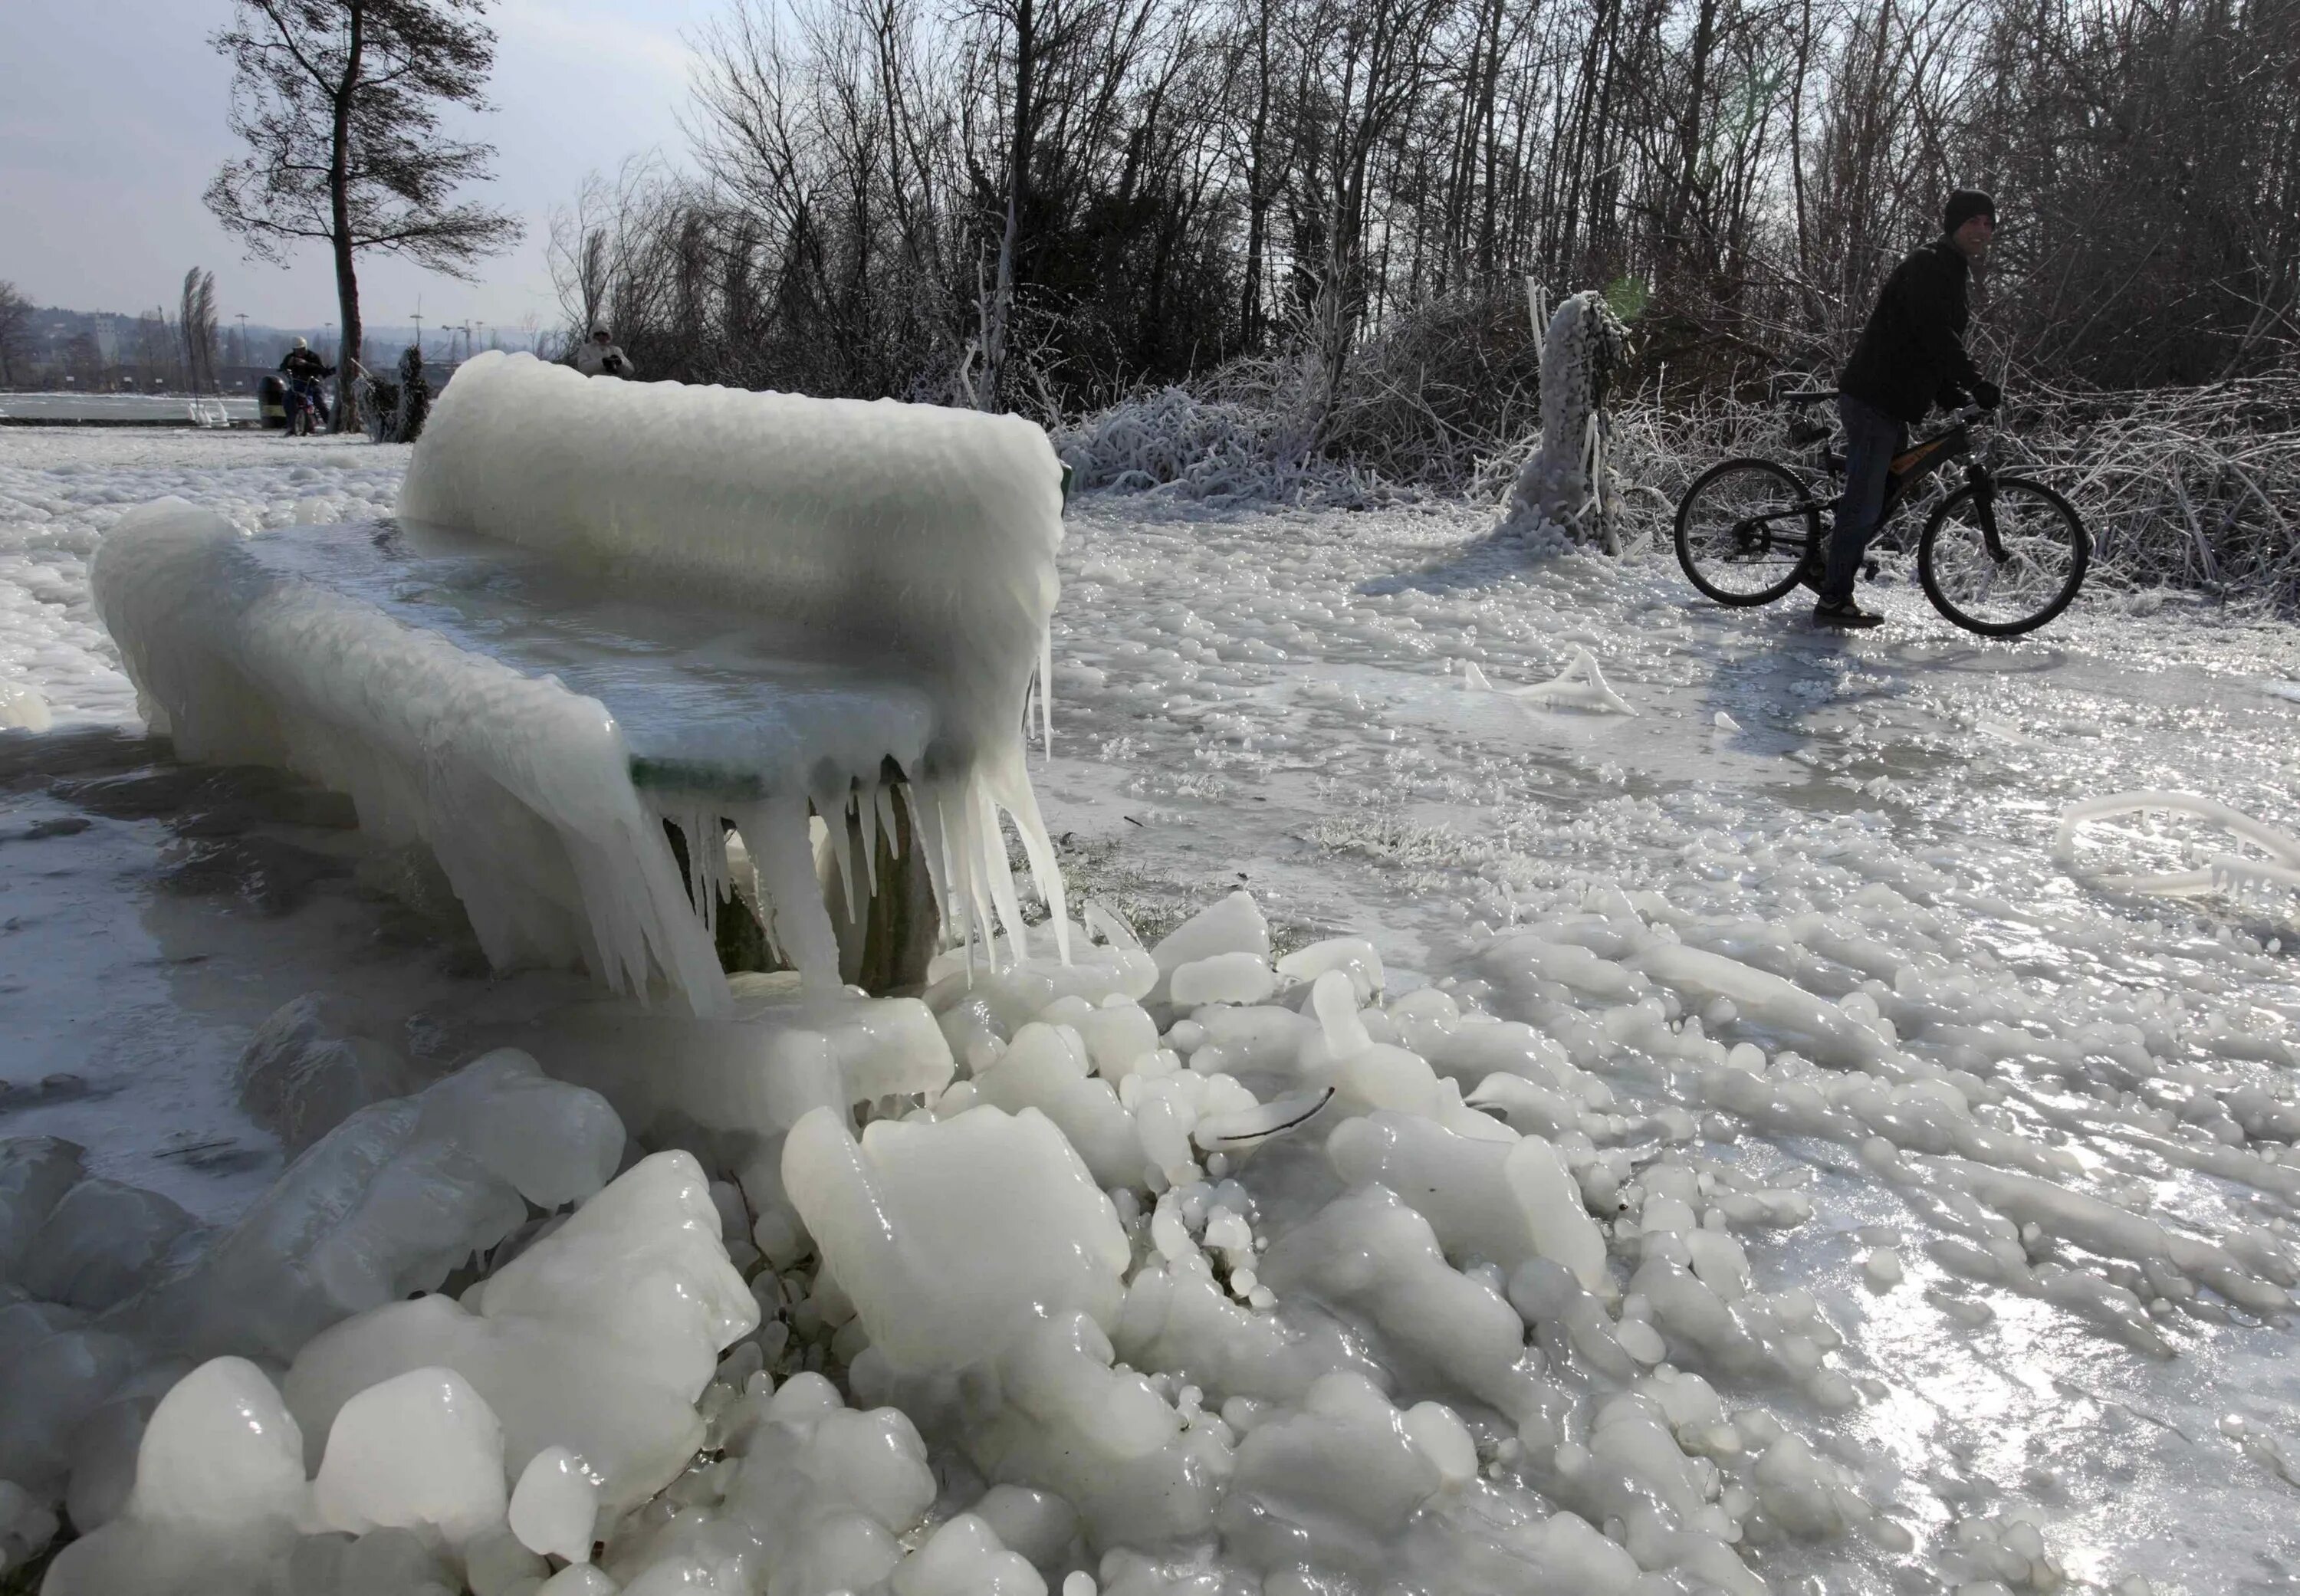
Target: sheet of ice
x=1268 y=696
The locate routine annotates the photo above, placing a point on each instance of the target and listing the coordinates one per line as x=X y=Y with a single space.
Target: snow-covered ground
x=1963 y=1181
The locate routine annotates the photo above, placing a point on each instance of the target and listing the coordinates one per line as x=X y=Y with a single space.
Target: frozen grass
x=2186 y=490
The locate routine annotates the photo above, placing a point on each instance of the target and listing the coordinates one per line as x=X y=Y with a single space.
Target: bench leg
x=900 y=930
x=742 y=940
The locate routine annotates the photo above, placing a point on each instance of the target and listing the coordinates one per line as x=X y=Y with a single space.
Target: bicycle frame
x=1913 y=465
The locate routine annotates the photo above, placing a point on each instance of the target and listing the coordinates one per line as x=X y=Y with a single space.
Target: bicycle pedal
x=1869 y=570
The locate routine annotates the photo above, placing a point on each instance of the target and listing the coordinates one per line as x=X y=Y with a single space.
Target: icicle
x=883 y=798
x=778 y=837
x=1046 y=695
x=1013 y=791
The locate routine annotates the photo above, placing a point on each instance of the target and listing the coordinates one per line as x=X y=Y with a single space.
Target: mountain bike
x=1999 y=555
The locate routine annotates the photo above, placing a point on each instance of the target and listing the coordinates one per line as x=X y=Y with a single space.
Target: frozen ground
x=1814 y=980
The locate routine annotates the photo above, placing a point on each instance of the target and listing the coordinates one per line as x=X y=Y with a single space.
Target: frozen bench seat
x=603 y=606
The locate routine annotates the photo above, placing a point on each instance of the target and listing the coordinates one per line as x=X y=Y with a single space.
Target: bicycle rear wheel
x=2004 y=560
x=1744 y=531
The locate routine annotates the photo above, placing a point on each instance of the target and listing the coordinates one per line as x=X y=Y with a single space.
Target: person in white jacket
x=599 y=355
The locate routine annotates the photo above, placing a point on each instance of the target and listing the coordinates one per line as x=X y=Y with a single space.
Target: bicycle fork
x=1984 y=505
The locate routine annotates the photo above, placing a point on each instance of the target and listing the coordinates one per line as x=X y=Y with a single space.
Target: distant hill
x=109 y=350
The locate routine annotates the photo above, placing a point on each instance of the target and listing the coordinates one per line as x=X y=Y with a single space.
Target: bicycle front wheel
x=1744 y=531
x=2003 y=558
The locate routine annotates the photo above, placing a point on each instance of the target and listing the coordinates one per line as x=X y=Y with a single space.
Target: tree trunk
x=347 y=305
x=1258 y=194
x=1017 y=189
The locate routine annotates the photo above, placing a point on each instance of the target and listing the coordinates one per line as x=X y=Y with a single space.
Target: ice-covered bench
x=606 y=605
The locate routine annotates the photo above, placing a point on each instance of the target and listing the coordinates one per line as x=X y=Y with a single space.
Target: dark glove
x=1987 y=393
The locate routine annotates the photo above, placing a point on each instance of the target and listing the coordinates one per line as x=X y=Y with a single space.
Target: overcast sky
x=111 y=122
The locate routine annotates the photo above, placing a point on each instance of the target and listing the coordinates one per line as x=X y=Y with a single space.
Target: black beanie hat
x=1963 y=205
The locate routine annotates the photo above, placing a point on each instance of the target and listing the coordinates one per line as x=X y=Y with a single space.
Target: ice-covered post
x=1563 y=498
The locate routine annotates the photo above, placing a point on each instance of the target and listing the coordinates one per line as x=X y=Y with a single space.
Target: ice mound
x=387 y=1203
x=108 y=1293
x=927 y=531
x=301 y=1083
x=566 y=1389
x=596 y=1339
x=520 y=788
x=914 y=533
x=881 y=578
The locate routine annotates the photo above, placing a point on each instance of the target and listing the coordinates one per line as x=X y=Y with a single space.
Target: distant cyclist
x=1909 y=358
x=600 y=356
x=303 y=368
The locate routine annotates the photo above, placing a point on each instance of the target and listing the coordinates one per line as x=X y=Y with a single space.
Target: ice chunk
x=1052 y=1412
x=1345 y=1470
x=1233 y=925
x=219 y=1495
x=23 y=707
x=99 y=1243
x=1044 y=1067
x=1039 y=1524
x=963 y=1557
x=554 y=1507
x=35 y=1173
x=555 y=1143
x=222 y=1450
x=385 y=1205
x=598 y=1338
x=950 y=1237
x=2281 y=868
x=1353 y=955
x=1368 y=1252
x=1241 y=978
x=301 y=1083
x=421 y=1448
x=53 y=1373
x=1580 y=685
x=1500 y=1202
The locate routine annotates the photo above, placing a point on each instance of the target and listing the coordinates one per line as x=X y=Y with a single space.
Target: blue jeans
x=1871 y=439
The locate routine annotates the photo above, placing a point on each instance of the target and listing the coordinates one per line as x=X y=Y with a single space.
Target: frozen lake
x=1279 y=700
x=152 y=409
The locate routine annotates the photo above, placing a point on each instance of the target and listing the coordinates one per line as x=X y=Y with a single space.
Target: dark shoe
x=1846 y=613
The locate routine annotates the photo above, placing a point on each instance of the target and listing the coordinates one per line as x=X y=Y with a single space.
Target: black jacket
x=306 y=365
x=1912 y=353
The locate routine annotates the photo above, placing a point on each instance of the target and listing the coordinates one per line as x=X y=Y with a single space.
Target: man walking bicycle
x=1909 y=358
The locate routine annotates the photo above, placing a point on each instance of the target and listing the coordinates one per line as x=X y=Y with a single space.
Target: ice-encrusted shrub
x=1564 y=497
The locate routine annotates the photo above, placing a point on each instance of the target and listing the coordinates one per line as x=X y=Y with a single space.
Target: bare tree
x=15 y=332
x=195 y=327
x=338 y=102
